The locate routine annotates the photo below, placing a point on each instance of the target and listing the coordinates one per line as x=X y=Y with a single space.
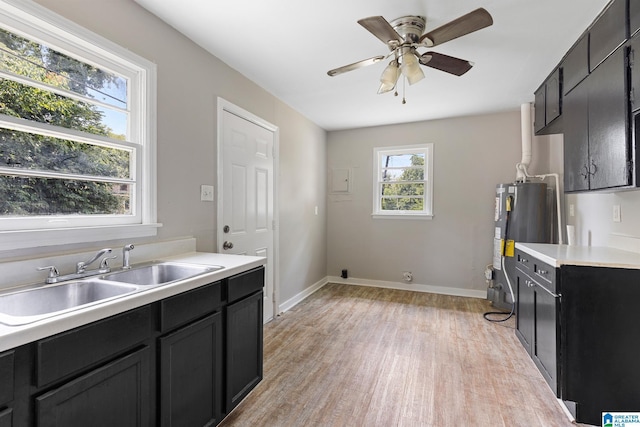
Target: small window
x=403 y=181
x=77 y=146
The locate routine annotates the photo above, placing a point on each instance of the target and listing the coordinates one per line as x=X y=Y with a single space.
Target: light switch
x=206 y=193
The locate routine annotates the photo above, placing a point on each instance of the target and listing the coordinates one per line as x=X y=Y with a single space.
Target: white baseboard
x=458 y=292
x=296 y=299
x=443 y=290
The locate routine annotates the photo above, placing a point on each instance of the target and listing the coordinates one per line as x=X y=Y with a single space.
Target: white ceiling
x=287 y=47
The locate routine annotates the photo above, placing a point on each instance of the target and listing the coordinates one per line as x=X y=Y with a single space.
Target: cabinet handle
x=543 y=272
x=585 y=175
x=595 y=168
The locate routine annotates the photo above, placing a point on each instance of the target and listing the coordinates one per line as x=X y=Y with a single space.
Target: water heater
x=523 y=213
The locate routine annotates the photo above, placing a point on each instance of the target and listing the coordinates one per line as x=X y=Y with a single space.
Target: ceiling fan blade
x=445 y=63
x=379 y=27
x=355 y=65
x=472 y=21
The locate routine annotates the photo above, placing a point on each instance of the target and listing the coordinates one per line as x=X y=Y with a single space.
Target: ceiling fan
x=404 y=36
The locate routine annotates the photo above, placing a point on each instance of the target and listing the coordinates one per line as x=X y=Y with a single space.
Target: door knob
x=227 y=245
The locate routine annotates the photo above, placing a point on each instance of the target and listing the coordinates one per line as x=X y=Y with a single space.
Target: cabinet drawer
x=575 y=66
x=608 y=32
x=523 y=261
x=6 y=376
x=245 y=284
x=191 y=305
x=546 y=273
x=77 y=349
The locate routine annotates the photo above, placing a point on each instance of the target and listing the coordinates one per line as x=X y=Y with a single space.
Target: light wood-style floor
x=362 y=356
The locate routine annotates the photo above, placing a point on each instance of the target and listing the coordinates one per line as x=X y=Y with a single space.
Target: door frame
x=222 y=106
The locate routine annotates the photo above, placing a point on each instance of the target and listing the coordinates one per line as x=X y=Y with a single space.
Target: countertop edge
x=586 y=256
x=15 y=336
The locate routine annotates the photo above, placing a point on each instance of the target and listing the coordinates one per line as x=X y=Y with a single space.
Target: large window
x=403 y=181
x=77 y=146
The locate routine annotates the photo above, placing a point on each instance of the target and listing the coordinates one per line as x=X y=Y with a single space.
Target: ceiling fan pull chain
x=404 y=86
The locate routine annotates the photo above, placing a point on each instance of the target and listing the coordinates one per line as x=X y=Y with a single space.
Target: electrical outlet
x=617 y=215
x=206 y=193
x=572 y=210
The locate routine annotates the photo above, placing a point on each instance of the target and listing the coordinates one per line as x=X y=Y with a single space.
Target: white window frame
x=32 y=21
x=378 y=155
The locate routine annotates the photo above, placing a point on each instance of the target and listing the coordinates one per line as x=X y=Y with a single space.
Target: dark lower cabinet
x=537 y=318
x=244 y=348
x=599 y=340
x=183 y=361
x=525 y=309
x=191 y=374
x=117 y=394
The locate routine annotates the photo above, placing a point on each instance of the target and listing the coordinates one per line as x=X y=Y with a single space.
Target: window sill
x=402 y=216
x=22 y=239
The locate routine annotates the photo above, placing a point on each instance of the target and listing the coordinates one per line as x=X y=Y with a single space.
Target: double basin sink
x=31 y=305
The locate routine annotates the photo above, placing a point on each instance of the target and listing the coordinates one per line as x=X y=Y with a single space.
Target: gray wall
x=472 y=155
x=189 y=82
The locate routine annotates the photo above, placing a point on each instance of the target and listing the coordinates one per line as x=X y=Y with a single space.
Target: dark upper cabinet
x=634 y=16
x=608 y=124
x=548 y=105
x=576 y=139
x=596 y=151
x=634 y=67
x=575 y=66
x=608 y=32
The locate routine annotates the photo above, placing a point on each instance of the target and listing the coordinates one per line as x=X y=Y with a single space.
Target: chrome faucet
x=126 y=252
x=81 y=267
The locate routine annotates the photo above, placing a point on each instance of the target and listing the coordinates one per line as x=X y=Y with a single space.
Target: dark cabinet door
x=608 y=32
x=244 y=348
x=6 y=376
x=539 y=104
x=117 y=394
x=634 y=69
x=191 y=374
x=576 y=138
x=525 y=311
x=575 y=66
x=552 y=97
x=546 y=339
x=608 y=148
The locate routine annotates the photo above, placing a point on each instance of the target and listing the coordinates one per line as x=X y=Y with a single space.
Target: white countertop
x=14 y=336
x=558 y=255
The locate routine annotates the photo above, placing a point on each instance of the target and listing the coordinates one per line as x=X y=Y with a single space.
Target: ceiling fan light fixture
x=411 y=68
x=389 y=77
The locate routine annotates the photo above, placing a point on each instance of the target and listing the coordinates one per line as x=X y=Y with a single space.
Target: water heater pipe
x=526 y=129
x=521 y=168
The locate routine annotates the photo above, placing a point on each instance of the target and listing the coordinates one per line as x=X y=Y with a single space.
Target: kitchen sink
x=31 y=305
x=159 y=273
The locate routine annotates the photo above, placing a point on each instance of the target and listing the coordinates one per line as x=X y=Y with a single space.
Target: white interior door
x=247 y=194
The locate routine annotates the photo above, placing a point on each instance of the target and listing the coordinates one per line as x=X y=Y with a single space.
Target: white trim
x=427 y=213
x=222 y=106
x=22 y=239
x=443 y=290
x=297 y=299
